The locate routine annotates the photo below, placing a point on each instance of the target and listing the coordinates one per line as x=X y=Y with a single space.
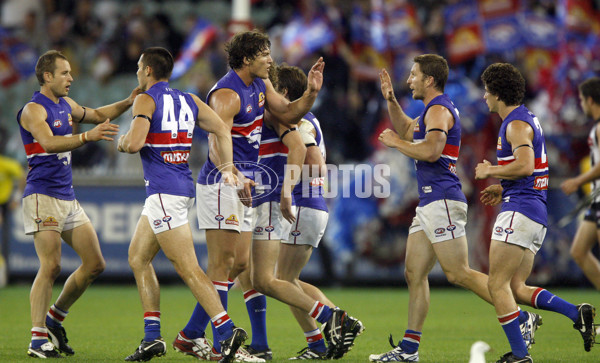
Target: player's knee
x=135 y=262
x=578 y=255
x=262 y=284
x=97 y=268
x=51 y=269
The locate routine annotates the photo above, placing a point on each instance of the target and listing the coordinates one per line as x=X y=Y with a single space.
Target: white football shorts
x=219 y=207
x=441 y=220
x=270 y=224
x=166 y=211
x=517 y=229
x=309 y=227
x=44 y=213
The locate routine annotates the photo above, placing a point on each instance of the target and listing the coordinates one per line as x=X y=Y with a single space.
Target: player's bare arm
x=226 y=103
x=135 y=138
x=571 y=185
x=210 y=121
x=99 y=115
x=438 y=121
x=403 y=124
x=292 y=112
x=293 y=168
x=520 y=136
x=33 y=120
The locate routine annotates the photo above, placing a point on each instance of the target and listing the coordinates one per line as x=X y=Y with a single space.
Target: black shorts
x=593 y=214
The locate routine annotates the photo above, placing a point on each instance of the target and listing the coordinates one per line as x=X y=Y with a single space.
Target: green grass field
x=106 y=324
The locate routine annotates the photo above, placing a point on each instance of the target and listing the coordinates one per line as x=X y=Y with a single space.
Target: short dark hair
x=289 y=78
x=160 y=60
x=47 y=63
x=246 y=45
x=506 y=82
x=591 y=88
x=433 y=65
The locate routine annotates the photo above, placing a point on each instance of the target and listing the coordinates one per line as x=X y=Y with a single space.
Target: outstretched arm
x=292 y=112
x=98 y=115
x=403 y=124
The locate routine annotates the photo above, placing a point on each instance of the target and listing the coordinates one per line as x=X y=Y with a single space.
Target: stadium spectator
x=588 y=232
x=50 y=210
x=161 y=130
x=520 y=228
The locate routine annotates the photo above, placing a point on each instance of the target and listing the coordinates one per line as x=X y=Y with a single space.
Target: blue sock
x=256 y=304
x=222 y=288
x=542 y=299
x=321 y=312
x=315 y=341
x=151 y=325
x=197 y=323
x=523 y=316
x=55 y=317
x=510 y=324
x=410 y=342
x=222 y=329
x=39 y=337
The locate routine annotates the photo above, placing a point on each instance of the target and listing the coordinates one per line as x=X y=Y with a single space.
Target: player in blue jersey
x=588 y=233
x=50 y=210
x=281 y=156
x=520 y=227
x=438 y=230
x=240 y=99
x=162 y=131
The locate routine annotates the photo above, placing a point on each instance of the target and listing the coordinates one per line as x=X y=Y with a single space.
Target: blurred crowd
x=556 y=45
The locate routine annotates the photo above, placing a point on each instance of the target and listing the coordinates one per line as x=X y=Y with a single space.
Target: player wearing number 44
x=161 y=131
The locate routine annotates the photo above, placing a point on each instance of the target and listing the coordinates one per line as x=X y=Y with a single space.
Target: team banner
x=502 y=34
x=199 y=38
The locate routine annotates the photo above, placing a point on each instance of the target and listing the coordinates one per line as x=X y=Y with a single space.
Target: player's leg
x=48 y=248
x=291 y=261
x=586 y=237
x=505 y=260
x=453 y=256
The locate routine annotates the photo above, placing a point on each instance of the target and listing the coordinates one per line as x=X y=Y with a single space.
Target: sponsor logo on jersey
x=167 y=219
x=452 y=168
x=50 y=222
x=248 y=108
x=70 y=119
x=269 y=229
x=439 y=230
x=426 y=189
x=233 y=220
x=157 y=222
x=509 y=231
x=175 y=157
x=57 y=123
x=451 y=227
x=296 y=233
x=499 y=230
x=317 y=182
x=417 y=127
x=258 y=230
x=540 y=182
x=219 y=217
x=499 y=146
x=261 y=99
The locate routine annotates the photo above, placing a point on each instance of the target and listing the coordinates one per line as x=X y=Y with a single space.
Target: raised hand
x=315 y=76
x=387 y=90
x=102 y=131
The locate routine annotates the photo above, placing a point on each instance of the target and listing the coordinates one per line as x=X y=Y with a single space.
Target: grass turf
x=106 y=324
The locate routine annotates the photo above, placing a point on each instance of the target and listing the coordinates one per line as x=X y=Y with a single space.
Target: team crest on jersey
x=261 y=99
x=233 y=220
x=167 y=219
x=452 y=168
x=70 y=119
x=254 y=137
x=57 y=123
x=248 y=108
x=219 y=217
x=269 y=229
x=509 y=231
x=50 y=222
x=451 y=227
x=499 y=146
x=296 y=233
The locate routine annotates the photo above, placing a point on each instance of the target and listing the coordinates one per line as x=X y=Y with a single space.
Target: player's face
x=60 y=82
x=141 y=74
x=259 y=66
x=585 y=106
x=416 y=82
x=490 y=101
